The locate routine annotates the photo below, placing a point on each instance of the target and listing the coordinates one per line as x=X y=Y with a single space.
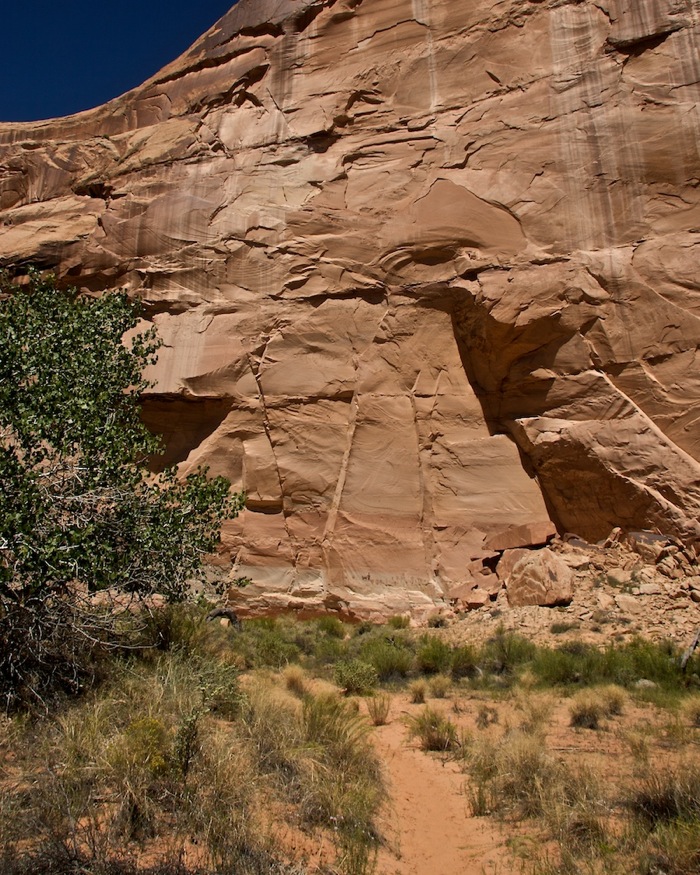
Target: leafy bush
x=391 y=657
x=434 y=656
x=355 y=677
x=506 y=651
x=584 y=664
x=465 y=661
x=331 y=626
x=80 y=511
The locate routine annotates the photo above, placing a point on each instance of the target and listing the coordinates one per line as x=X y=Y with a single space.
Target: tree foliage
x=80 y=511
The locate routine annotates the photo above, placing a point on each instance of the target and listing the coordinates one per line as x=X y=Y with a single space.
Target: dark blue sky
x=61 y=57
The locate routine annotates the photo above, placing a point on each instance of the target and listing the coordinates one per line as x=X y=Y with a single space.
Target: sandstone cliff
x=424 y=270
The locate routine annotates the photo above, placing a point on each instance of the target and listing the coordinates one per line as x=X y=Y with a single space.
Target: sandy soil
x=427 y=826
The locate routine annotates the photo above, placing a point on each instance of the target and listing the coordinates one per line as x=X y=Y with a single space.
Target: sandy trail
x=427 y=825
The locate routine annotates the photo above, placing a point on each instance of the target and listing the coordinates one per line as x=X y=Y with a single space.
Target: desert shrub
x=267 y=642
x=399 y=621
x=434 y=730
x=355 y=677
x=391 y=657
x=570 y=663
x=417 y=691
x=464 y=662
x=559 y=628
x=378 y=708
x=576 y=663
x=506 y=651
x=331 y=626
x=180 y=627
x=434 y=656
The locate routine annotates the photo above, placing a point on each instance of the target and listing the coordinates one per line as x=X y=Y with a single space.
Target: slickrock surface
x=426 y=272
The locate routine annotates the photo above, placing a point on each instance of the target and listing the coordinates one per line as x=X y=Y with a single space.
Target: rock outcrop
x=425 y=271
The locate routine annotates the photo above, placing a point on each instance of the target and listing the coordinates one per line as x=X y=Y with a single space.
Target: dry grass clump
x=586 y=711
x=318 y=754
x=589 y=707
x=536 y=710
x=144 y=762
x=434 y=731
x=663 y=796
x=378 y=708
x=418 y=690
x=512 y=776
x=614 y=699
x=486 y=716
x=440 y=686
x=690 y=711
x=295 y=680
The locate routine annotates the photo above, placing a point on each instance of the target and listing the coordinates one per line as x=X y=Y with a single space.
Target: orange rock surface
x=426 y=272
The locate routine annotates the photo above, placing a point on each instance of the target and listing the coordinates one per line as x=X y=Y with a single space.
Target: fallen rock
x=508 y=561
x=469 y=596
x=542 y=578
x=628 y=604
x=650 y=589
x=529 y=535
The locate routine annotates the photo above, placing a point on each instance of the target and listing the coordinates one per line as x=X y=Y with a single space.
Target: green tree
x=80 y=511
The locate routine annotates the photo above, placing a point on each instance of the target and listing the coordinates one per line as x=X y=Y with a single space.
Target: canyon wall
x=425 y=271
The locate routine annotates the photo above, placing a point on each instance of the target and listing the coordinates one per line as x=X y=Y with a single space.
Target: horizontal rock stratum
x=426 y=272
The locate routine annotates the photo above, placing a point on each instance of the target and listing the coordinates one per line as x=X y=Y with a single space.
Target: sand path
x=427 y=824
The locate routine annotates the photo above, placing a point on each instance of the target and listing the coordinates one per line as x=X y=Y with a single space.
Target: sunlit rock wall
x=425 y=270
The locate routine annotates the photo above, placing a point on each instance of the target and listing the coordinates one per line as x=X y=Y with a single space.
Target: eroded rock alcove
x=425 y=272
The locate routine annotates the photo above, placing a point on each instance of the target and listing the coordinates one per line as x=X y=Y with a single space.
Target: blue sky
x=58 y=58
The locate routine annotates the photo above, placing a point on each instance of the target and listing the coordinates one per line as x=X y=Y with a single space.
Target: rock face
x=425 y=271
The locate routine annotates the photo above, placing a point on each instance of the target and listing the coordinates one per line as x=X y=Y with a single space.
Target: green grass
x=434 y=731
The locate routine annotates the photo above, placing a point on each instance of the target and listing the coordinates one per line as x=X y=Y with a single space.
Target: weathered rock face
x=425 y=271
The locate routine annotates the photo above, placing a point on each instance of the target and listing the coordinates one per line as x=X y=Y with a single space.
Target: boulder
x=468 y=596
x=508 y=561
x=542 y=578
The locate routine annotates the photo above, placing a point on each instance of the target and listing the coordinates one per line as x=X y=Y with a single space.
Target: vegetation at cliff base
x=80 y=512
